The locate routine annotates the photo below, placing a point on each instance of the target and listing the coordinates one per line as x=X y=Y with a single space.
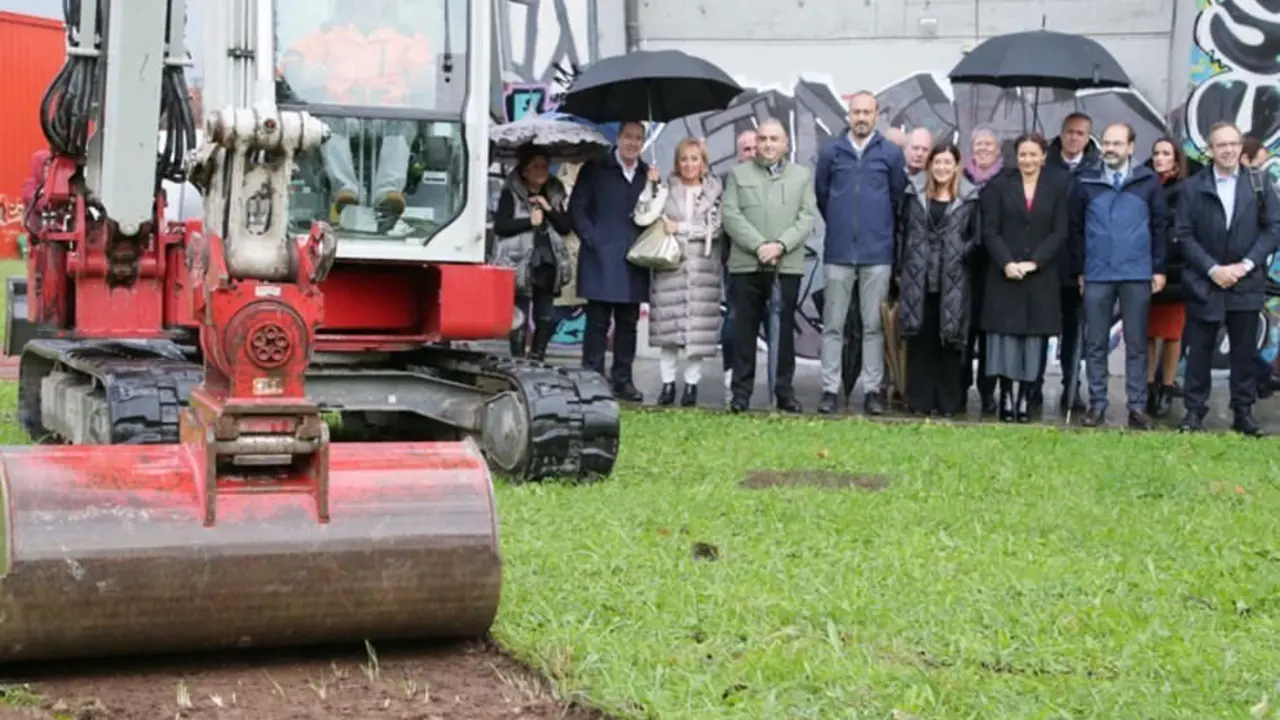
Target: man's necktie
x=1115 y=180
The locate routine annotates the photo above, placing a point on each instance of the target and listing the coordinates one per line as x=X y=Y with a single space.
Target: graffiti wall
x=539 y=46
x=1235 y=74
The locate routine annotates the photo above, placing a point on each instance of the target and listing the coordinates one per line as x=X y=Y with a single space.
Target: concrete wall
x=874 y=43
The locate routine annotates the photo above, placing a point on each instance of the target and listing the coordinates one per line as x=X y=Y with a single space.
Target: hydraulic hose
x=67 y=109
x=177 y=121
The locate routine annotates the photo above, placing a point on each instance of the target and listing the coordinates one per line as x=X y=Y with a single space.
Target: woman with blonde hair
x=684 y=303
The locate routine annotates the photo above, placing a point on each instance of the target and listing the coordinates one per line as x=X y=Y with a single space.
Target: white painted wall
x=872 y=44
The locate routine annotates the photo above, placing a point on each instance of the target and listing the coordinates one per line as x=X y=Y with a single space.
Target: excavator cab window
x=390 y=79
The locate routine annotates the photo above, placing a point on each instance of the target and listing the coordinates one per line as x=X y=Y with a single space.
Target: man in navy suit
x=602 y=203
x=1228 y=223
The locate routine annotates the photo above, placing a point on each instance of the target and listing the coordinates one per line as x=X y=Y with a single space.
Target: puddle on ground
x=826 y=479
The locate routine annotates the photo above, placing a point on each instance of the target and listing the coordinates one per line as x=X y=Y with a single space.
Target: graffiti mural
x=540 y=45
x=814 y=111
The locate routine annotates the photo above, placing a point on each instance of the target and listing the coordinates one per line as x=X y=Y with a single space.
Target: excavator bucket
x=104 y=550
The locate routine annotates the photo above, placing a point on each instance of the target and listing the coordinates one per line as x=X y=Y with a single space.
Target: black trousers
x=541 y=308
x=934 y=370
x=1072 y=312
x=749 y=297
x=1199 y=339
x=595 y=341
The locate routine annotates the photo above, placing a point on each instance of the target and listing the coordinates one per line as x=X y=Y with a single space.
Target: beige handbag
x=655 y=249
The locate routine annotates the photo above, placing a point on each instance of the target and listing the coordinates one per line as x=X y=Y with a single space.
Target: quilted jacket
x=956 y=239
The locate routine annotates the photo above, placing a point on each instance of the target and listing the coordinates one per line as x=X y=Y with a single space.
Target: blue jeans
x=1135 y=306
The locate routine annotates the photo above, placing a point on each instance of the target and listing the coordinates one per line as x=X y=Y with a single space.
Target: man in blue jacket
x=859 y=181
x=1119 y=230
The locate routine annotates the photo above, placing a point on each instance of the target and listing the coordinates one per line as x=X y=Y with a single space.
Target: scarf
x=980 y=177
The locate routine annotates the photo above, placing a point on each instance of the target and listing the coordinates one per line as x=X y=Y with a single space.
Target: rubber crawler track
x=573 y=416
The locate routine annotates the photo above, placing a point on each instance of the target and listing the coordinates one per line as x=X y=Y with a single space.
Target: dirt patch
x=475 y=681
x=827 y=479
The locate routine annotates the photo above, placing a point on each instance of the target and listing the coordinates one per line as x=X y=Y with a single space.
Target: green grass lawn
x=1002 y=572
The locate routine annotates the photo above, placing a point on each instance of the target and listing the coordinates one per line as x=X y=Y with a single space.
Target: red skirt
x=1167 y=321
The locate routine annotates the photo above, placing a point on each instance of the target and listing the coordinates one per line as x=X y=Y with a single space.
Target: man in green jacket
x=769 y=210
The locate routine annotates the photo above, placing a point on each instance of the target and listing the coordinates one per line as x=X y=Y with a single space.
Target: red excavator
x=183 y=378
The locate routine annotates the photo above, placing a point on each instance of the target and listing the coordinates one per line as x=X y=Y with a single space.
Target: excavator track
x=573 y=415
x=106 y=392
x=534 y=421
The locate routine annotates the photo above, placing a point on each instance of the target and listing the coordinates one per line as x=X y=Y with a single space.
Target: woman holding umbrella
x=530 y=223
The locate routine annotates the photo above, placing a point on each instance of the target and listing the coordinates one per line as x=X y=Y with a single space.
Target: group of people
x=986 y=263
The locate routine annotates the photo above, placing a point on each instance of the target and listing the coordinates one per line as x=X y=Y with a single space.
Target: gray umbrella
x=564 y=140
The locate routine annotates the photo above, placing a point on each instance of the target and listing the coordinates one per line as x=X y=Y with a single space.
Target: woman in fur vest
x=684 y=304
x=530 y=223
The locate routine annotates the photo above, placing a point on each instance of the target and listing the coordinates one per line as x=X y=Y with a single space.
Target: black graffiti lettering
x=1245 y=93
x=1259 y=58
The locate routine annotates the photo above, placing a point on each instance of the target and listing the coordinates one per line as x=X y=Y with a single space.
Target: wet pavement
x=711 y=392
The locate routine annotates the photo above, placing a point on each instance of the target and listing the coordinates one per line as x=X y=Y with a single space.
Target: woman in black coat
x=1024 y=226
x=1168 y=313
x=938 y=233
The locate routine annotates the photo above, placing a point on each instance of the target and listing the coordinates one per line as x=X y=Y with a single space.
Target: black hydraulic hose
x=68 y=107
x=179 y=124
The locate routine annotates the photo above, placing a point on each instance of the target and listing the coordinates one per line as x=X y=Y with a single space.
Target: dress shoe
x=1094 y=417
x=1164 y=401
x=1006 y=404
x=1022 y=406
x=627 y=392
x=689 y=398
x=788 y=404
x=828 y=404
x=1141 y=421
x=1246 y=425
x=737 y=405
x=668 y=395
x=1191 y=422
x=872 y=404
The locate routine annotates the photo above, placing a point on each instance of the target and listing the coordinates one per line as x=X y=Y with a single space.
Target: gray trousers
x=872 y=285
x=1135 y=306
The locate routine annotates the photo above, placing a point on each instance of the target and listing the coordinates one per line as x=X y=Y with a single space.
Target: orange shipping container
x=31 y=54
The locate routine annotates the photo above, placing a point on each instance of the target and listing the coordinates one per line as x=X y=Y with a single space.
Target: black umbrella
x=652 y=85
x=1040 y=58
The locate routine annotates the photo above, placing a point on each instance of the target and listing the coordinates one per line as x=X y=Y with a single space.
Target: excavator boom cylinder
x=103 y=552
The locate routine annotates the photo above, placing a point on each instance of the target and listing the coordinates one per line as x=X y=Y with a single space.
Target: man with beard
x=1118 y=236
x=769 y=210
x=859 y=181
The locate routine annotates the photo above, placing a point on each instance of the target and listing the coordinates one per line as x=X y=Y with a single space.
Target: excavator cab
x=390 y=78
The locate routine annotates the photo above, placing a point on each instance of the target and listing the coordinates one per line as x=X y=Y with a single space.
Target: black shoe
x=1164 y=401
x=1246 y=425
x=1006 y=402
x=1035 y=397
x=1094 y=417
x=668 y=395
x=738 y=405
x=828 y=404
x=1153 y=397
x=789 y=404
x=627 y=392
x=1191 y=422
x=541 y=339
x=689 y=398
x=516 y=342
x=1141 y=421
x=1022 y=407
x=872 y=404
